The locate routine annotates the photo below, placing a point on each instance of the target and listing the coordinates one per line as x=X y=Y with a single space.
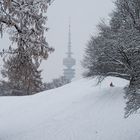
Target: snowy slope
x=78 y=111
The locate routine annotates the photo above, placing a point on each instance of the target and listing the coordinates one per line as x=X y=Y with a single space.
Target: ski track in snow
x=79 y=111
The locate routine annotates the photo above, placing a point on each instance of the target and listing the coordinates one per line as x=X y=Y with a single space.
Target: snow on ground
x=78 y=111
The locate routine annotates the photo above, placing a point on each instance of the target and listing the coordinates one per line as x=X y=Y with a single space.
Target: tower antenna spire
x=69 y=39
x=69 y=62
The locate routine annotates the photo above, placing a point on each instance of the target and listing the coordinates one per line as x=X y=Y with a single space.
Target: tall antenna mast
x=69 y=62
x=69 y=40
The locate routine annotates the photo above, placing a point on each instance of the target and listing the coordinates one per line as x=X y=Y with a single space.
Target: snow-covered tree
x=129 y=12
x=115 y=51
x=25 y=20
x=133 y=101
x=21 y=75
x=104 y=56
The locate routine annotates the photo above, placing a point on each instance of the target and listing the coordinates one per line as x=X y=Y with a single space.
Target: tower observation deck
x=69 y=62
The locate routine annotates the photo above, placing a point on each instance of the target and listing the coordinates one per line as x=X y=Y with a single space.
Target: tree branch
x=9 y=22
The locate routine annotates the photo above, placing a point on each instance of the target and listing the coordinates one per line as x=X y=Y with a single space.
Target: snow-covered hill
x=78 y=111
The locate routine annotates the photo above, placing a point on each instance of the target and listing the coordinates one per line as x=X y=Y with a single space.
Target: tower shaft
x=69 y=42
x=69 y=62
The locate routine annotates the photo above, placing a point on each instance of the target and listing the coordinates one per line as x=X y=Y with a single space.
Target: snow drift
x=78 y=111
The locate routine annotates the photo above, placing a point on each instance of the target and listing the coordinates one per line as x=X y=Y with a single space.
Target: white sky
x=85 y=15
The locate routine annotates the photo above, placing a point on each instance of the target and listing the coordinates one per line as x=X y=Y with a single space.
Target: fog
x=84 y=15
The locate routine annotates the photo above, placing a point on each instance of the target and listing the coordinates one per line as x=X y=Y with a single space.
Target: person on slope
x=111 y=84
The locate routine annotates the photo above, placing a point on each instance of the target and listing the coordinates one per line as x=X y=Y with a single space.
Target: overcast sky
x=85 y=15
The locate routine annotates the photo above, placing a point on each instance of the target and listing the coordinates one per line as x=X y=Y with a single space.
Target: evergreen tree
x=22 y=74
